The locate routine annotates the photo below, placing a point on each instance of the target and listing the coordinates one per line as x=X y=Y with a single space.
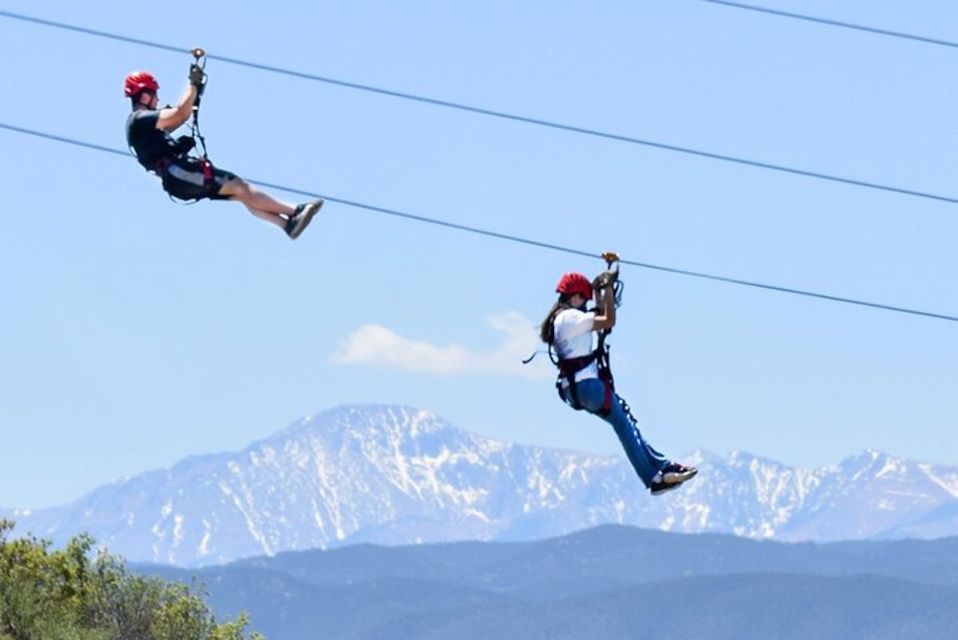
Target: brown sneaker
x=671 y=477
x=676 y=473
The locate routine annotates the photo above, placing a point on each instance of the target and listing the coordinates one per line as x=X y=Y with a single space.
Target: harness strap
x=161 y=165
x=207 y=172
x=605 y=373
x=174 y=184
x=572 y=366
x=569 y=367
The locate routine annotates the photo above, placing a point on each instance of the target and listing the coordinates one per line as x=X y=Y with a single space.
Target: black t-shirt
x=150 y=144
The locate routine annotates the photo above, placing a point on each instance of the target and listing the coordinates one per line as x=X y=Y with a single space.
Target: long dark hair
x=547 y=329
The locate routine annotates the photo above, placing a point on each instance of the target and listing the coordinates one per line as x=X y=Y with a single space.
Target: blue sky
x=136 y=331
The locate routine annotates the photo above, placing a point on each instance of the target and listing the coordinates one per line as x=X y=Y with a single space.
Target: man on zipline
x=186 y=177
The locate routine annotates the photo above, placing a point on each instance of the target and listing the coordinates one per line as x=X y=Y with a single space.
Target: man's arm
x=172 y=117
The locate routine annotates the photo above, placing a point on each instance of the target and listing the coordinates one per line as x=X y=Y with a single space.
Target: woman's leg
x=646 y=461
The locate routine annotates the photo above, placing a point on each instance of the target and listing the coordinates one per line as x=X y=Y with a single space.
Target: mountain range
x=398 y=475
x=607 y=582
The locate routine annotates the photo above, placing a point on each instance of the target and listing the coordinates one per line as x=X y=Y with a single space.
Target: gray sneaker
x=298 y=222
x=291 y=221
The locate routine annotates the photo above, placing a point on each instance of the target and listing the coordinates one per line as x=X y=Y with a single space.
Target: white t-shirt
x=574 y=338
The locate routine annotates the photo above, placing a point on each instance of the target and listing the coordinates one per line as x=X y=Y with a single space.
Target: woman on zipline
x=585 y=379
x=188 y=178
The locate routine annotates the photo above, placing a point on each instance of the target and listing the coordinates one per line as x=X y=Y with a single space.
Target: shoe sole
x=665 y=489
x=672 y=481
x=678 y=478
x=309 y=211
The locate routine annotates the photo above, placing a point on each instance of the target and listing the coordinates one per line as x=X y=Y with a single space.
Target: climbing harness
x=566 y=385
x=569 y=367
x=186 y=176
x=195 y=140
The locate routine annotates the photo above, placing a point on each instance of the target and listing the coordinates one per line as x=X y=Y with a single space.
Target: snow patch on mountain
x=393 y=475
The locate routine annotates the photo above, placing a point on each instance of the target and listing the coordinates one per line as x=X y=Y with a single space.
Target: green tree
x=68 y=594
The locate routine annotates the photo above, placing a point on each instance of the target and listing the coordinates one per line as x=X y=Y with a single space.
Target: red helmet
x=139 y=81
x=572 y=283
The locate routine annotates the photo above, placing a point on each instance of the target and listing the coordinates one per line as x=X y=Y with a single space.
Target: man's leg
x=261 y=204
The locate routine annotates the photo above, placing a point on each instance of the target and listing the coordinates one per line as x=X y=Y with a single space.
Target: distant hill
x=607 y=582
x=396 y=475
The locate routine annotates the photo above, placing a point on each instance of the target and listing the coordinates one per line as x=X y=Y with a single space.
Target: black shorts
x=184 y=179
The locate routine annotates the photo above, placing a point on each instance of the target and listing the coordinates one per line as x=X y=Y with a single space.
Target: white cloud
x=375 y=344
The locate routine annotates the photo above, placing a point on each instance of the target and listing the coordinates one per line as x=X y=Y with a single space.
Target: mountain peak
x=373 y=420
x=393 y=474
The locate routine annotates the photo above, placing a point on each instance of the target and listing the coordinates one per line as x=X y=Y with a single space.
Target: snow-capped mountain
x=399 y=475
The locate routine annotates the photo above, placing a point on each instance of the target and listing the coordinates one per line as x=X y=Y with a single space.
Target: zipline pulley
x=612 y=272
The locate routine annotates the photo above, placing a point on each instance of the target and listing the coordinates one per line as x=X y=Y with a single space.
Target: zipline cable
x=499 y=114
x=834 y=23
x=517 y=239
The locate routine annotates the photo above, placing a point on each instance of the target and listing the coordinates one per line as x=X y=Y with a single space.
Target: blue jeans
x=645 y=460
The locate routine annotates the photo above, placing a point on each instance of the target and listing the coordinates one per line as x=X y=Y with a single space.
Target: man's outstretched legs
x=292 y=220
x=261 y=204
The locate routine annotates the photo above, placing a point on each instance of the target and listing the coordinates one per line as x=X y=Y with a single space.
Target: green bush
x=75 y=594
